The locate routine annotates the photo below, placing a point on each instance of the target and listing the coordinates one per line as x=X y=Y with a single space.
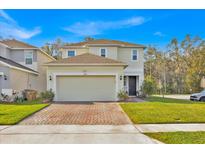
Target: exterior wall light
x=120 y=77
x=50 y=78
x=5 y=77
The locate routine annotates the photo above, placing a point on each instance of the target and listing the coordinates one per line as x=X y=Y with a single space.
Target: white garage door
x=85 y=88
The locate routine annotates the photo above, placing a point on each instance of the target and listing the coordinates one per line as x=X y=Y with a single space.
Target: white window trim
x=25 y=57
x=105 y=52
x=71 y=50
x=133 y=54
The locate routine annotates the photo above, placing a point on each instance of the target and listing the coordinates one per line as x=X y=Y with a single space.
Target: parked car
x=198 y=96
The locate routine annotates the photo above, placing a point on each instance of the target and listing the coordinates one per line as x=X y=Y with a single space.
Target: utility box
x=30 y=94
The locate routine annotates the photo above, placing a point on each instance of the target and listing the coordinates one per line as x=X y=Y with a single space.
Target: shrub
x=19 y=99
x=47 y=95
x=122 y=95
x=149 y=86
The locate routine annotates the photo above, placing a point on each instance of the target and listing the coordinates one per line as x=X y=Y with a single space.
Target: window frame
x=132 y=54
x=25 y=57
x=70 y=51
x=105 y=52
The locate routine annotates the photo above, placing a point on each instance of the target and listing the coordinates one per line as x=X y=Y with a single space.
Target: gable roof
x=16 y=44
x=15 y=65
x=104 y=42
x=12 y=43
x=86 y=59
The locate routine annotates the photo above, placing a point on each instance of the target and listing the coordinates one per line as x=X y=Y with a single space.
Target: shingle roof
x=12 y=63
x=105 y=42
x=15 y=44
x=87 y=58
x=12 y=43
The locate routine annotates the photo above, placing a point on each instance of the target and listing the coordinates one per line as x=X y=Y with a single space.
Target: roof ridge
x=24 y=43
x=88 y=58
x=102 y=57
x=7 y=41
x=105 y=41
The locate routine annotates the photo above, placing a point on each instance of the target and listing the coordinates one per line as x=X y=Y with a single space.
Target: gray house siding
x=18 y=55
x=4 y=52
x=5 y=84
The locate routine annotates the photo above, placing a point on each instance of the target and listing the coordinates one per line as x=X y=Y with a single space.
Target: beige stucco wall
x=123 y=54
x=134 y=67
x=78 y=51
x=42 y=77
x=82 y=70
x=111 y=51
x=20 y=80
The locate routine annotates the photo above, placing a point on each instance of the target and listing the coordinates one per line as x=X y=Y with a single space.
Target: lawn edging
x=12 y=114
x=48 y=104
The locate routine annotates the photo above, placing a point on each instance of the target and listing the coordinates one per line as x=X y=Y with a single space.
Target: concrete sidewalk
x=176 y=96
x=74 y=134
x=147 y=128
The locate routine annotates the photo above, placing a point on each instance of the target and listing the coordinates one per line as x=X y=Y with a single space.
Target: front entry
x=132 y=85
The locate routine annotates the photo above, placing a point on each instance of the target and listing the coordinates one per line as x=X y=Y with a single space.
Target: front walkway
x=153 y=128
x=134 y=99
x=79 y=114
x=74 y=134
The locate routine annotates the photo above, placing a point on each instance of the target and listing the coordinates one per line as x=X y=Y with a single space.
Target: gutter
x=17 y=68
x=86 y=64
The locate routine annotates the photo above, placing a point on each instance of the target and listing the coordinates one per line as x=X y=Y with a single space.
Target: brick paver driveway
x=82 y=114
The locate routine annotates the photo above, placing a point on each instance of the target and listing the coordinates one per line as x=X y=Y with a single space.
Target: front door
x=132 y=85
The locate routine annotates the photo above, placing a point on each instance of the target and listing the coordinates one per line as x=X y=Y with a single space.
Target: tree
x=149 y=86
x=88 y=38
x=53 y=48
x=180 y=67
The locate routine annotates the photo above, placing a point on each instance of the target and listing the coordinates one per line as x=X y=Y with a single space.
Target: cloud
x=6 y=16
x=97 y=27
x=10 y=28
x=160 y=34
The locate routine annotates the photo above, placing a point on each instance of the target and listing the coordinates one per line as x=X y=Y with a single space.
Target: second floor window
x=71 y=53
x=29 y=58
x=103 y=52
x=134 y=54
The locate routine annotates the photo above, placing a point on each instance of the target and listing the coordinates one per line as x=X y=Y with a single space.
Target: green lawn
x=169 y=100
x=179 y=137
x=159 y=110
x=13 y=113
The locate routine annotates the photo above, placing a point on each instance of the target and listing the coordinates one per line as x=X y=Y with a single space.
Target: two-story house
x=96 y=71
x=21 y=67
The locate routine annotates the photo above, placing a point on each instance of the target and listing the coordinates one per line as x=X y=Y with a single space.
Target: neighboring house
x=21 y=67
x=96 y=71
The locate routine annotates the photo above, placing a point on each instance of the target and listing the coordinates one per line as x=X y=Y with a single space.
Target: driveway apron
x=79 y=114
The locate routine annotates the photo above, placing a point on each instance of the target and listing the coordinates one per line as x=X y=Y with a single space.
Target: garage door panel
x=86 y=88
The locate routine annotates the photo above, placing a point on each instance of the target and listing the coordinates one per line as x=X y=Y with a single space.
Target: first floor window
x=71 y=53
x=103 y=52
x=29 y=58
x=134 y=54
